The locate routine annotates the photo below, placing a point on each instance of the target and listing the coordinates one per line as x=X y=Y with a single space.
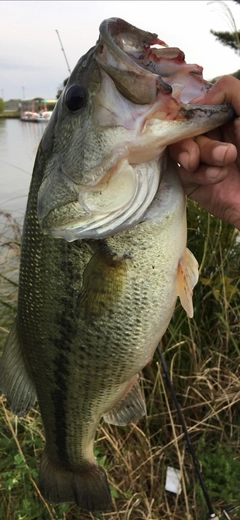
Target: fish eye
x=76 y=98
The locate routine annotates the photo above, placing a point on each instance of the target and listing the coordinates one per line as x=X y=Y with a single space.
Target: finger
x=225 y=90
x=189 y=153
x=215 y=153
x=186 y=153
x=236 y=132
x=221 y=199
x=205 y=175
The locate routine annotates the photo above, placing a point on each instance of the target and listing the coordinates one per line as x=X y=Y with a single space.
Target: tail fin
x=87 y=486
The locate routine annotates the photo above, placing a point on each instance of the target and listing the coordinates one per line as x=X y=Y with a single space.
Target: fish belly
x=90 y=315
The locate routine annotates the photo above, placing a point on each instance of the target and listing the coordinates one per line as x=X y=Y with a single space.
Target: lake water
x=18 y=146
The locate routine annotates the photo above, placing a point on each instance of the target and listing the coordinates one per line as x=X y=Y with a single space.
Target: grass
x=10 y=114
x=203 y=359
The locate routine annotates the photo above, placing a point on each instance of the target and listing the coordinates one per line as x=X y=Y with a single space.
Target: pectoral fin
x=15 y=381
x=103 y=283
x=187 y=279
x=129 y=409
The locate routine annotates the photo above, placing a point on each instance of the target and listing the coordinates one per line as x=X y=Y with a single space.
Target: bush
x=2 y=105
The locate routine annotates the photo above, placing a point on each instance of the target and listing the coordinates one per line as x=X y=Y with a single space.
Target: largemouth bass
x=103 y=255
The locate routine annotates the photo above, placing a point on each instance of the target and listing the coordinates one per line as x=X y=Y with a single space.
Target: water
x=18 y=146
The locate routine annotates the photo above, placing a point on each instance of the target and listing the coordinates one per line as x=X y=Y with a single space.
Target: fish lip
x=109 y=42
x=121 y=45
x=190 y=111
x=160 y=104
x=114 y=26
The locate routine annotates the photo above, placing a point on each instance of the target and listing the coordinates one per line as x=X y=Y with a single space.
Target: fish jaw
x=107 y=171
x=131 y=50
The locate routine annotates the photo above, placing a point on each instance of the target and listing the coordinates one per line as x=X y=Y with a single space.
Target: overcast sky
x=32 y=63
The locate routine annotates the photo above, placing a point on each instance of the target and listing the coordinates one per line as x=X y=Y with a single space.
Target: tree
x=231 y=39
x=2 y=105
x=62 y=87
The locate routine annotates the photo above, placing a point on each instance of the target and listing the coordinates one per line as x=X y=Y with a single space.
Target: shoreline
x=12 y=114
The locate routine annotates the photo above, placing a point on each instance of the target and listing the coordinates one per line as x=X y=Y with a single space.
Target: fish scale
x=62 y=343
x=103 y=255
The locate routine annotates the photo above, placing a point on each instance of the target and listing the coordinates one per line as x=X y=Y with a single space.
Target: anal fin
x=129 y=409
x=187 y=279
x=15 y=381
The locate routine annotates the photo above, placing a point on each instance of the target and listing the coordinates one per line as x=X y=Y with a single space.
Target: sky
x=32 y=63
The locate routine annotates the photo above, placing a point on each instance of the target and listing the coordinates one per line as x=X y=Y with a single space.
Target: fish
x=104 y=252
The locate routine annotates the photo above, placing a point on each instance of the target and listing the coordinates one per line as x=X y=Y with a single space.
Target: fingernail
x=188 y=162
x=220 y=151
x=184 y=160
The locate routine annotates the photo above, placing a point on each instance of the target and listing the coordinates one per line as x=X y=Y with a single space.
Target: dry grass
x=203 y=359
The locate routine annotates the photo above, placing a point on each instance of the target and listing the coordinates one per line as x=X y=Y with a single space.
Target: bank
x=10 y=114
x=14 y=108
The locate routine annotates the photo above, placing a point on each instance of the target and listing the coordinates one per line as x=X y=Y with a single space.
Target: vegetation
x=203 y=356
x=15 y=114
x=59 y=92
x=230 y=39
x=2 y=105
x=12 y=104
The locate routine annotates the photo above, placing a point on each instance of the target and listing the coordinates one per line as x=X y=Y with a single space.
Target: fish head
x=126 y=100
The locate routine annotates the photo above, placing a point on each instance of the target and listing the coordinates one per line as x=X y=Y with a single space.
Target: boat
x=36 y=117
x=28 y=116
x=43 y=117
x=37 y=110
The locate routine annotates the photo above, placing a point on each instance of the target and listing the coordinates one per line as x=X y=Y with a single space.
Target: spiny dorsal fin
x=187 y=279
x=15 y=381
x=129 y=409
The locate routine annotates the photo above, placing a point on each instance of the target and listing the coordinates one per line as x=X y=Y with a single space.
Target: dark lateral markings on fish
x=105 y=206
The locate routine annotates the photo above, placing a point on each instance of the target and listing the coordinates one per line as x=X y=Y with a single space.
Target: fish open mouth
x=145 y=102
x=143 y=67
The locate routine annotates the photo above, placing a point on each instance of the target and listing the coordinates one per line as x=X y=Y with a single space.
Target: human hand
x=210 y=164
